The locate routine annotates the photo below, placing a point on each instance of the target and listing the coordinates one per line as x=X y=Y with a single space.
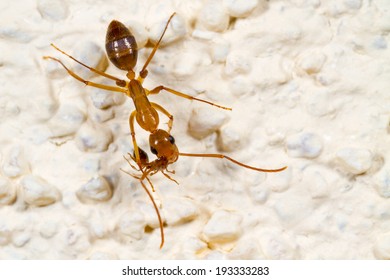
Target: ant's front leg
x=169 y=177
x=135 y=146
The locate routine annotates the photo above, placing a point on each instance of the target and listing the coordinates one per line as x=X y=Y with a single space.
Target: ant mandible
x=163 y=145
x=122 y=50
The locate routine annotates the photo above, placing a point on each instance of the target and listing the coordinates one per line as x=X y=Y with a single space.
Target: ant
x=122 y=50
x=162 y=144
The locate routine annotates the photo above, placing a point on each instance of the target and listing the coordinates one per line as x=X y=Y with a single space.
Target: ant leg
x=165 y=112
x=132 y=166
x=143 y=73
x=137 y=177
x=87 y=83
x=135 y=146
x=145 y=172
x=169 y=177
x=234 y=161
x=128 y=173
x=157 y=212
x=118 y=81
x=178 y=93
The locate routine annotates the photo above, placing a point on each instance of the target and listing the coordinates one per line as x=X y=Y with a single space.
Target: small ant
x=122 y=50
x=162 y=144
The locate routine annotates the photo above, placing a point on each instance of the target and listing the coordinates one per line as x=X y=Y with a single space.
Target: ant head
x=162 y=144
x=121 y=46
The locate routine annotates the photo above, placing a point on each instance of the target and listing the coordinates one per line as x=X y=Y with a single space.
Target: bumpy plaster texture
x=309 y=84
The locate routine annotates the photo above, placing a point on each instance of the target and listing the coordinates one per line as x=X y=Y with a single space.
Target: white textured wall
x=309 y=85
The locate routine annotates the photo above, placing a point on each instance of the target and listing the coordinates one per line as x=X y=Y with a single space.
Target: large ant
x=162 y=144
x=122 y=50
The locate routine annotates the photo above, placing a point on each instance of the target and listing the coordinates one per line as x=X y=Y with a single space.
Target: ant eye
x=153 y=150
x=171 y=139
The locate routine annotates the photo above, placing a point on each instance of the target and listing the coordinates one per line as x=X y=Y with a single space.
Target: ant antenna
x=154 y=205
x=234 y=161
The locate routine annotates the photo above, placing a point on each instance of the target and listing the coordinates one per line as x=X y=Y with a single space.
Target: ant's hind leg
x=87 y=83
x=178 y=93
x=119 y=82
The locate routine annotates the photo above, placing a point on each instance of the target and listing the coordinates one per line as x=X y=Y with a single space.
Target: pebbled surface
x=308 y=81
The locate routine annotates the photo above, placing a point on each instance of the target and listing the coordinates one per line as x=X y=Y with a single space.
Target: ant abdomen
x=121 y=47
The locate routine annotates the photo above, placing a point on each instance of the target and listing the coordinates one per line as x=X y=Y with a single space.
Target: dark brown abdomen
x=121 y=46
